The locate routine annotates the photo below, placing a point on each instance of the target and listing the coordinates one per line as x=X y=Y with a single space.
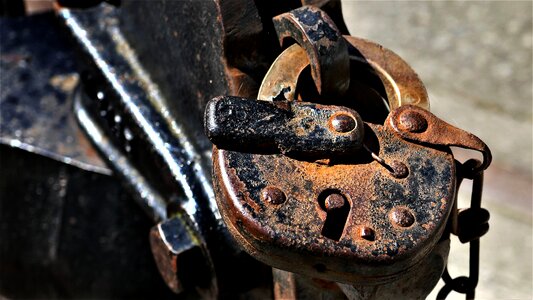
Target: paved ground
x=475 y=58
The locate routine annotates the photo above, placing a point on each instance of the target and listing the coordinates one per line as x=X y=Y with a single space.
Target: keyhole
x=337 y=207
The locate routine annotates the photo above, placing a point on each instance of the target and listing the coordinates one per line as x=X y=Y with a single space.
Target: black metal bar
x=129 y=108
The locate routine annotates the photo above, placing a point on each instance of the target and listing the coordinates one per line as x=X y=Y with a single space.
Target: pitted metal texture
x=389 y=226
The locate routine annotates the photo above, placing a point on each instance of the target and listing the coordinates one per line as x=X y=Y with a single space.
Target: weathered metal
x=68 y=228
x=152 y=156
x=334 y=201
x=291 y=286
x=473 y=223
x=415 y=124
x=320 y=192
x=342 y=123
x=281 y=79
x=68 y=233
x=402 y=216
x=397 y=82
x=272 y=194
x=298 y=129
x=127 y=117
x=415 y=283
x=398 y=169
x=179 y=254
x=379 y=80
x=38 y=75
x=469 y=228
x=327 y=51
x=289 y=236
x=339 y=216
x=225 y=49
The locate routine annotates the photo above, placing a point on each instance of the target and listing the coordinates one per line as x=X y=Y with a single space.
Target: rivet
x=367 y=233
x=399 y=169
x=413 y=121
x=334 y=201
x=273 y=195
x=402 y=217
x=342 y=123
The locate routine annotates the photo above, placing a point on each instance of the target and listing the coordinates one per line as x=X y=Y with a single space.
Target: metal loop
x=326 y=49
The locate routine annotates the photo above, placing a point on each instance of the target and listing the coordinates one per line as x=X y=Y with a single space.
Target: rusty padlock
x=343 y=191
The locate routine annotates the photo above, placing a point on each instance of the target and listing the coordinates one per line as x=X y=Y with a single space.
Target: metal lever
x=419 y=125
x=298 y=128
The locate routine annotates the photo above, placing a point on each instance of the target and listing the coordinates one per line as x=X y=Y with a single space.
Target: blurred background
x=475 y=58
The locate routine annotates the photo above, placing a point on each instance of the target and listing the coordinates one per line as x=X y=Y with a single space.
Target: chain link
x=472 y=223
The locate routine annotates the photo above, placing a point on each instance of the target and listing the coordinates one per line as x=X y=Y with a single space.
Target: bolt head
x=342 y=123
x=413 y=121
x=402 y=216
x=399 y=169
x=274 y=195
x=334 y=201
x=178 y=255
x=367 y=233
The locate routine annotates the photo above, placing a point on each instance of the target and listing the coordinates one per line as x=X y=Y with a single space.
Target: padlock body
x=405 y=216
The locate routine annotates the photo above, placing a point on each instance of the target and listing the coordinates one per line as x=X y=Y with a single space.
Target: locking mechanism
x=344 y=218
x=346 y=177
x=304 y=130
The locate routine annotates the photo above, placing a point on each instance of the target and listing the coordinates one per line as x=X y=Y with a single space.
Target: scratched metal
x=326 y=49
x=298 y=129
x=380 y=80
x=400 y=82
x=416 y=124
x=37 y=75
x=290 y=235
x=153 y=153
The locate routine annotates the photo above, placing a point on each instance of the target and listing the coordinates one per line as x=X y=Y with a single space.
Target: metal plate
x=289 y=235
x=37 y=75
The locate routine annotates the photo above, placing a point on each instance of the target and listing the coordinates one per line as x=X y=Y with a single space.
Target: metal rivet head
x=367 y=233
x=402 y=217
x=413 y=121
x=399 y=169
x=273 y=195
x=176 y=249
x=342 y=123
x=334 y=201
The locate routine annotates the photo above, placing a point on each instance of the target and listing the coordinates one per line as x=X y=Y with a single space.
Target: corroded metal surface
x=345 y=218
x=178 y=252
x=402 y=84
x=419 y=125
x=67 y=233
x=472 y=224
x=225 y=49
x=380 y=80
x=280 y=80
x=415 y=283
x=291 y=235
x=291 y=286
x=304 y=130
x=158 y=160
x=314 y=31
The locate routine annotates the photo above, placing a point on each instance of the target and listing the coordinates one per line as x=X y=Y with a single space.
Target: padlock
x=338 y=190
x=344 y=217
